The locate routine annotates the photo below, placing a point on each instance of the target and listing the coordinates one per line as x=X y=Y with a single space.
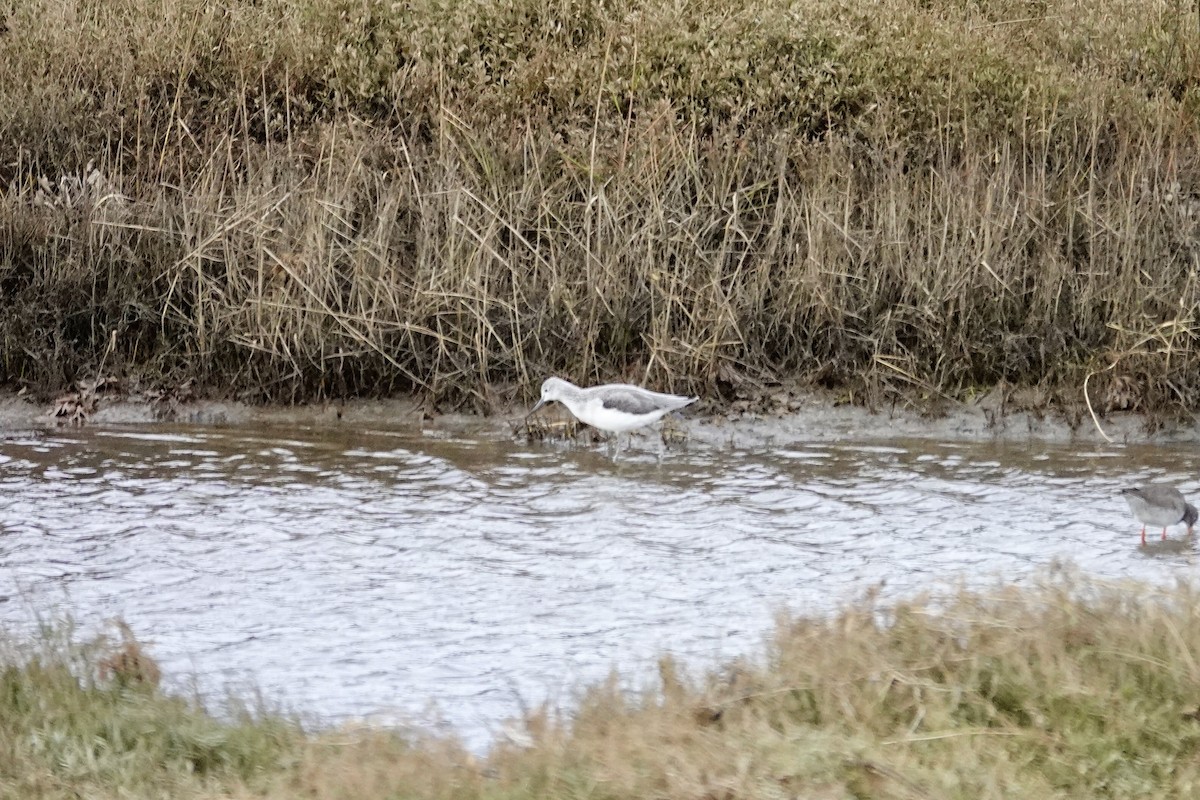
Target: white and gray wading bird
x=613 y=407
x=1160 y=506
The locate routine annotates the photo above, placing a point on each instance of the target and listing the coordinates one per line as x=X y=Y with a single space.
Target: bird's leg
x=1143 y=534
x=1164 y=537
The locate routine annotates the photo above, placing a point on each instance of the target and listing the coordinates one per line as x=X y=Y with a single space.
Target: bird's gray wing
x=629 y=401
x=1165 y=497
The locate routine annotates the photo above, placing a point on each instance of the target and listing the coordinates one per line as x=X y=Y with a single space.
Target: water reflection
x=350 y=572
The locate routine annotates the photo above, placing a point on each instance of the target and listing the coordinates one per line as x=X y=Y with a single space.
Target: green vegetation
x=1066 y=689
x=294 y=199
x=88 y=721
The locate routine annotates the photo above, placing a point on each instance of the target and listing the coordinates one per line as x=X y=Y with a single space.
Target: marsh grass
x=1068 y=688
x=291 y=200
x=87 y=719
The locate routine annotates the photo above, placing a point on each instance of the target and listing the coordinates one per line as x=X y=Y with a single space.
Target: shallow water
x=399 y=576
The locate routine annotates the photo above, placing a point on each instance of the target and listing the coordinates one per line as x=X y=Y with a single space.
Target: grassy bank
x=313 y=198
x=1067 y=689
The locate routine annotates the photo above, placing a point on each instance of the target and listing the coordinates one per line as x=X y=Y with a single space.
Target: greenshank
x=1160 y=506
x=613 y=407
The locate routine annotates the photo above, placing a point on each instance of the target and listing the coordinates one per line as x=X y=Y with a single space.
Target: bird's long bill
x=539 y=404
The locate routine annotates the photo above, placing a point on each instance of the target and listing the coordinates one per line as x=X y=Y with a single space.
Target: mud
x=800 y=417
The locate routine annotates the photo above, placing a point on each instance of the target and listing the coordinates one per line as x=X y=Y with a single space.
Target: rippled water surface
x=348 y=573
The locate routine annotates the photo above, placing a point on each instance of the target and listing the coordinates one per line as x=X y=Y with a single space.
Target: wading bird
x=1160 y=506
x=613 y=407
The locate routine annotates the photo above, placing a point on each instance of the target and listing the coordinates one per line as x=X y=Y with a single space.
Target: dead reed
x=291 y=200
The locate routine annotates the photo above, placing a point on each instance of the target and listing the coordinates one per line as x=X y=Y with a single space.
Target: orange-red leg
x=1164 y=534
x=1143 y=534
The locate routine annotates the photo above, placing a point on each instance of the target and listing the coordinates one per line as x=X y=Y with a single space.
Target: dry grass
x=291 y=200
x=1066 y=689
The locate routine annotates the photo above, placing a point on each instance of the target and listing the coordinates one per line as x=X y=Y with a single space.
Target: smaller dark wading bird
x=1160 y=506
x=613 y=407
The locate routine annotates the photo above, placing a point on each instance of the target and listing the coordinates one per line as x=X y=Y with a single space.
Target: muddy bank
x=777 y=420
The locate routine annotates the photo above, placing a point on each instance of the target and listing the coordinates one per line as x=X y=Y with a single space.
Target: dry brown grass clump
x=292 y=200
x=128 y=664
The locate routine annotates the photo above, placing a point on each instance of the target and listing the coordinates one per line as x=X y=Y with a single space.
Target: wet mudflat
x=450 y=577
